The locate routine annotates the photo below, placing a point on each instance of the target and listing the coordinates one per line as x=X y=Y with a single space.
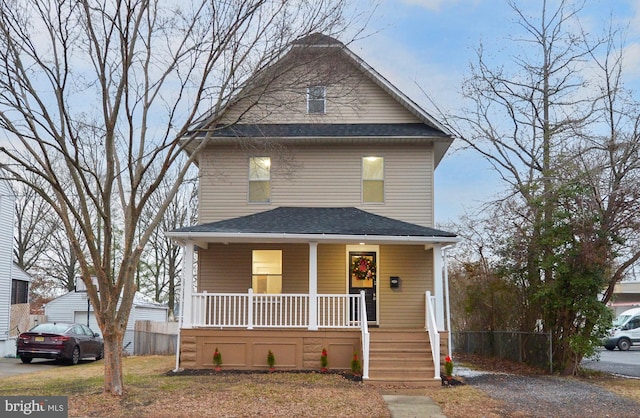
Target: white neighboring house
x=7 y=212
x=74 y=307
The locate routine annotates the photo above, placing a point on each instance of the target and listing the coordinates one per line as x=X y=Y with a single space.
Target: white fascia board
x=204 y=237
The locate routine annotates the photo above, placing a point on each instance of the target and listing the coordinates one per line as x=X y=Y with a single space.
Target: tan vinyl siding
x=351 y=97
x=331 y=269
x=319 y=176
x=227 y=268
x=404 y=306
x=224 y=268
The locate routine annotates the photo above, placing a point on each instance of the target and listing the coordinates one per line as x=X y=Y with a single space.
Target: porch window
x=260 y=179
x=266 y=271
x=373 y=180
x=316 y=99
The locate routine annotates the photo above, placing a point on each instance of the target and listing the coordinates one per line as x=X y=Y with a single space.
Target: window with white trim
x=260 y=179
x=316 y=99
x=373 y=180
x=266 y=271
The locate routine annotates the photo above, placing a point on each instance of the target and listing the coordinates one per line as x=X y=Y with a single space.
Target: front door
x=363 y=276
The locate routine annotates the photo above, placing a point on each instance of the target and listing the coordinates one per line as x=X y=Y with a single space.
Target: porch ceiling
x=303 y=224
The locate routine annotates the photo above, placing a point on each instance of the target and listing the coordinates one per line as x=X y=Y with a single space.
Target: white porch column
x=313 y=286
x=187 y=285
x=438 y=288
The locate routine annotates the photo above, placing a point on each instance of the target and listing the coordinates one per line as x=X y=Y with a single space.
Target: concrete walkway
x=412 y=406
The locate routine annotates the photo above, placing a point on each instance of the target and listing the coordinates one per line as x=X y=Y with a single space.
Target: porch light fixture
x=362 y=243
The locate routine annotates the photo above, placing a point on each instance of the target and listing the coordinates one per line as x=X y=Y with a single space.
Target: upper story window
x=266 y=271
x=316 y=99
x=260 y=179
x=373 y=180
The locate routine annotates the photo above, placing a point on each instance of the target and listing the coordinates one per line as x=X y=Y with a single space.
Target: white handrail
x=434 y=336
x=364 y=327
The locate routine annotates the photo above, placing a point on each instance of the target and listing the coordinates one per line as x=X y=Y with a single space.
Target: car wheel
x=100 y=353
x=610 y=347
x=26 y=360
x=75 y=356
x=624 y=344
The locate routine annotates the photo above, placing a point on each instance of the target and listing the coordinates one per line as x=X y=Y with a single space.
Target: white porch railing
x=250 y=310
x=432 y=328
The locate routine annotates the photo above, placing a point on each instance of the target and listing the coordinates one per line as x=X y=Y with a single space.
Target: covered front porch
x=391 y=316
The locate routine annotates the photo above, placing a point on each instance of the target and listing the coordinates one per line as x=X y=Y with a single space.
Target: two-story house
x=316 y=225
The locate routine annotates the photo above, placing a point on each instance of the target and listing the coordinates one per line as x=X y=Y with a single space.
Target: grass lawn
x=149 y=392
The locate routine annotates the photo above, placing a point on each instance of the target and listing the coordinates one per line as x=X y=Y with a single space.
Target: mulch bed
x=211 y=372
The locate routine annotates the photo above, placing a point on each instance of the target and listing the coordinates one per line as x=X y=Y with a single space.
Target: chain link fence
x=531 y=348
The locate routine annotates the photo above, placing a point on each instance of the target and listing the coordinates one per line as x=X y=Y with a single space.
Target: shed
x=75 y=307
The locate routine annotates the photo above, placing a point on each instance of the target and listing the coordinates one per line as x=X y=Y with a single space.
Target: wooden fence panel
x=20 y=319
x=155 y=338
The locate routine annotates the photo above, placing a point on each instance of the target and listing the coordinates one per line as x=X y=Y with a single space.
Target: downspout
x=446 y=295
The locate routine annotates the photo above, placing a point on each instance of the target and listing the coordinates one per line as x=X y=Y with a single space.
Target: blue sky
x=430 y=43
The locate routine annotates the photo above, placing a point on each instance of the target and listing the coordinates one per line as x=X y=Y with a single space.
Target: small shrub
x=217 y=358
x=448 y=366
x=356 y=367
x=324 y=361
x=271 y=359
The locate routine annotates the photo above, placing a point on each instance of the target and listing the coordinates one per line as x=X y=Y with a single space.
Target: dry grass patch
x=466 y=401
x=149 y=392
x=629 y=388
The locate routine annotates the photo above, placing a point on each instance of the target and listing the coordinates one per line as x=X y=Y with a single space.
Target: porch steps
x=400 y=357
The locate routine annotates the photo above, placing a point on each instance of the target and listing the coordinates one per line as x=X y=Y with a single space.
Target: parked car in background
x=625 y=332
x=60 y=341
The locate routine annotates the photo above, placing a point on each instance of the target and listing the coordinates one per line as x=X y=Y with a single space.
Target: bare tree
x=42 y=247
x=94 y=96
x=481 y=300
x=32 y=232
x=610 y=165
x=521 y=120
x=161 y=263
x=539 y=122
x=61 y=263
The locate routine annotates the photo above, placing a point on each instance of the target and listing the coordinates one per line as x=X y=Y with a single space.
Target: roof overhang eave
x=204 y=238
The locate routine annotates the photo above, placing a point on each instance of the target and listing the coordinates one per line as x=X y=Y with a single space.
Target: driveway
x=553 y=396
x=623 y=363
x=13 y=366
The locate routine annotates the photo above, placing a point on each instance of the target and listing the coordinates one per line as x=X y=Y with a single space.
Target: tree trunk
x=572 y=365
x=113 y=382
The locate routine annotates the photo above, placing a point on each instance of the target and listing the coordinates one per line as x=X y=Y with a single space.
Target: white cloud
x=631 y=61
x=434 y=5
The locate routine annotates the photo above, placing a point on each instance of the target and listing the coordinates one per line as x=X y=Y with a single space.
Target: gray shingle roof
x=325 y=221
x=288 y=130
x=317 y=39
